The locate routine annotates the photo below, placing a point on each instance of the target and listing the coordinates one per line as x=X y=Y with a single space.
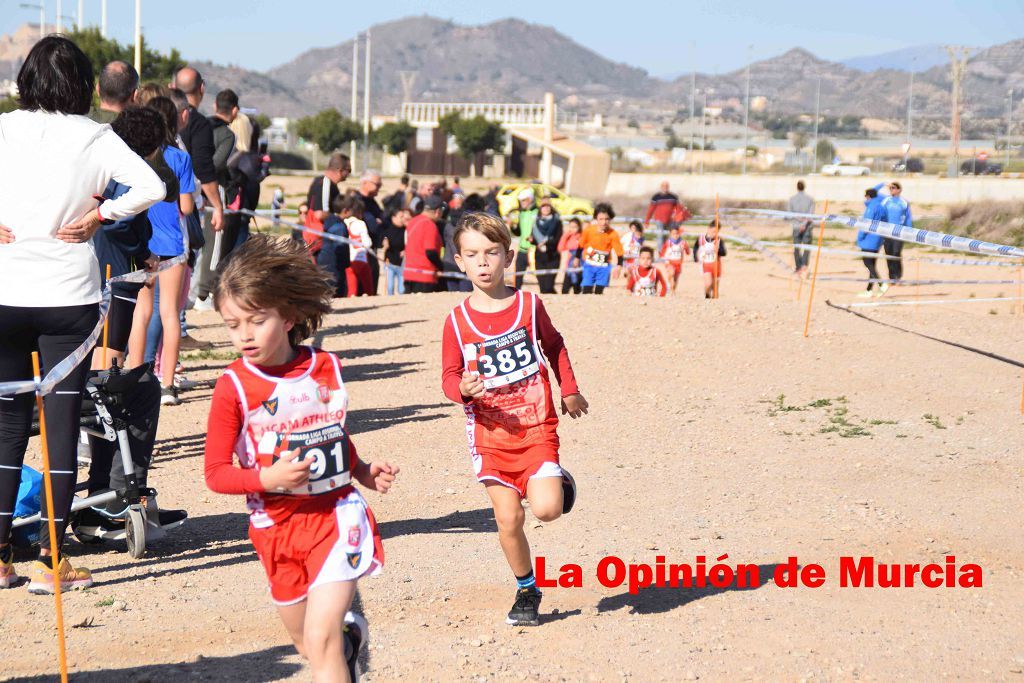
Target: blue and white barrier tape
x=893 y=231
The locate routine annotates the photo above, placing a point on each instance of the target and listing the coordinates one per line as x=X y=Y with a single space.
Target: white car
x=843 y=168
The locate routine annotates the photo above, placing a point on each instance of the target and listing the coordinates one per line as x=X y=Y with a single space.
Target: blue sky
x=656 y=36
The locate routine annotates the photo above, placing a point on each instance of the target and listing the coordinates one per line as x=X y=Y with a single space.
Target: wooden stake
x=917 y=285
x=814 y=275
x=1020 y=289
x=718 y=234
x=48 y=485
x=106 y=324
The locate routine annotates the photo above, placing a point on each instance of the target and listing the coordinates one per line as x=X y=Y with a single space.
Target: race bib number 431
x=507 y=359
x=328 y=448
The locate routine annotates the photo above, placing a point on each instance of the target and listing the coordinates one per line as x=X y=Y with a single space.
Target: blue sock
x=527 y=581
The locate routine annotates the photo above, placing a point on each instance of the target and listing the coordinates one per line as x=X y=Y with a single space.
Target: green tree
x=825 y=151
x=328 y=129
x=673 y=142
x=799 y=141
x=448 y=122
x=156 y=66
x=393 y=136
x=263 y=121
x=8 y=104
x=477 y=135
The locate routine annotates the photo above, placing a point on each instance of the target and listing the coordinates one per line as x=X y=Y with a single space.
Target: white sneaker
x=204 y=304
x=356 y=634
x=183 y=383
x=883 y=288
x=866 y=294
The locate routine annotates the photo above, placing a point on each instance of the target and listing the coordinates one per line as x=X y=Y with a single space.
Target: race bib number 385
x=507 y=359
x=326 y=446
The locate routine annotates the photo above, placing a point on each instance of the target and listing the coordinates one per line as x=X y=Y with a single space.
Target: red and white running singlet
x=707 y=250
x=515 y=375
x=281 y=414
x=644 y=285
x=631 y=248
x=673 y=251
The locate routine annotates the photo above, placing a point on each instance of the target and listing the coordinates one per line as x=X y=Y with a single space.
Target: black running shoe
x=568 y=492
x=171 y=519
x=525 y=611
x=356 y=633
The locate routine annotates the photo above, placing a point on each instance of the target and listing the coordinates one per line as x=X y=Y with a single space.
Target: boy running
x=492 y=365
x=710 y=259
x=280 y=409
x=601 y=248
x=673 y=250
x=644 y=278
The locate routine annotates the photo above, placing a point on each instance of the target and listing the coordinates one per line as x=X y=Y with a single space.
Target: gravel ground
x=715 y=428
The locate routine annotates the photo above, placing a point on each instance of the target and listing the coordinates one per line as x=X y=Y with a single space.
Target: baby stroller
x=107 y=415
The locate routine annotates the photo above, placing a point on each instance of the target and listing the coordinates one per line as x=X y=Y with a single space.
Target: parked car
x=508 y=199
x=844 y=168
x=911 y=165
x=980 y=167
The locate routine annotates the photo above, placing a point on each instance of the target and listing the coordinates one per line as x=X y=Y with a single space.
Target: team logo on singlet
x=323 y=392
x=354 y=536
x=271 y=406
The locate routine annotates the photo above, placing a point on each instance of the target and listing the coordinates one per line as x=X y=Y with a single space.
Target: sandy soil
x=715 y=428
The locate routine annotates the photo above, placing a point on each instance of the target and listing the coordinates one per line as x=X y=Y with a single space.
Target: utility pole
x=42 y=15
x=138 y=37
x=355 y=96
x=817 y=110
x=746 y=110
x=60 y=18
x=81 y=14
x=703 y=129
x=1009 y=127
x=103 y=18
x=693 y=95
x=958 y=65
x=366 y=106
x=910 y=110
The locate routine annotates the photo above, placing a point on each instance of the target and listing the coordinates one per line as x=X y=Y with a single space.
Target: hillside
x=512 y=60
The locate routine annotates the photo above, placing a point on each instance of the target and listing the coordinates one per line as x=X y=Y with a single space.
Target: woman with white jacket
x=54 y=162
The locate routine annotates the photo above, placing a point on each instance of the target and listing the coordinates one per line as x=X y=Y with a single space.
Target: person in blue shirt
x=870 y=242
x=166 y=243
x=897 y=211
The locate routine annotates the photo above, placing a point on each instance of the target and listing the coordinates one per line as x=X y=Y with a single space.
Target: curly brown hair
x=271 y=273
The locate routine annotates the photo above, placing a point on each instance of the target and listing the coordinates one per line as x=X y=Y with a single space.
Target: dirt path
x=715 y=428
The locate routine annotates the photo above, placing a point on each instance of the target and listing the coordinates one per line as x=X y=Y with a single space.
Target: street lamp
x=42 y=15
x=817 y=111
x=1009 y=124
x=910 y=109
x=746 y=109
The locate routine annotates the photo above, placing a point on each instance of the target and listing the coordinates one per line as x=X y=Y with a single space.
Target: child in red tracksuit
x=492 y=365
x=644 y=278
x=280 y=410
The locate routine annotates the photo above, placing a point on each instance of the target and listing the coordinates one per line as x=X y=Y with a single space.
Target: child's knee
x=548 y=512
x=318 y=637
x=510 y=519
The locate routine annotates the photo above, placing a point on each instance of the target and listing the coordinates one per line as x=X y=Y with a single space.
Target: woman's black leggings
x=55 y=333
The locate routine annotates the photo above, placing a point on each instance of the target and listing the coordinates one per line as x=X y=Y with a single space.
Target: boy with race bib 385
x=601 y=248
x=280 y=410
x=492 y=365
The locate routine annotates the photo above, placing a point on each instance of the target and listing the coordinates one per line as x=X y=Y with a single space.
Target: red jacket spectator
x=666 y=209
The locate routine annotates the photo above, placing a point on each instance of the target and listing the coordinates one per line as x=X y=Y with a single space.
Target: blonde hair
x=487 y=225
x=271 y=273
x=150 y=91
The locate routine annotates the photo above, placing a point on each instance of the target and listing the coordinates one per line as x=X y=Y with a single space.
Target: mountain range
x=516 y=61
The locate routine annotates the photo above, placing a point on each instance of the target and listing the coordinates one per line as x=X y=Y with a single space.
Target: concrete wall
x=919 y=190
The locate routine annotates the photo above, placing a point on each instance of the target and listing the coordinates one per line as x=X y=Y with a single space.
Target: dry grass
x=994 y=221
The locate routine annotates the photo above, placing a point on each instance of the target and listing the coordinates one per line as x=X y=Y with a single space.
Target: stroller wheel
x=135 y=532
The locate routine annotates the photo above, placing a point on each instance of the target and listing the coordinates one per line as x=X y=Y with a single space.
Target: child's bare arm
x=376 y=476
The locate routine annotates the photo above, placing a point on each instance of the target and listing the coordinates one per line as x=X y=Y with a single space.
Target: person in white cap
x=524 y=231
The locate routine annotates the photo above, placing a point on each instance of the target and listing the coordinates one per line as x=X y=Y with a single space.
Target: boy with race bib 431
x=280 y=410
x=493 y=366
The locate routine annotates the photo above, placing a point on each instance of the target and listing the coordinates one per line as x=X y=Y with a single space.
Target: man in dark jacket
x=197 y=136
x=376 y=222
x=228 y=176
